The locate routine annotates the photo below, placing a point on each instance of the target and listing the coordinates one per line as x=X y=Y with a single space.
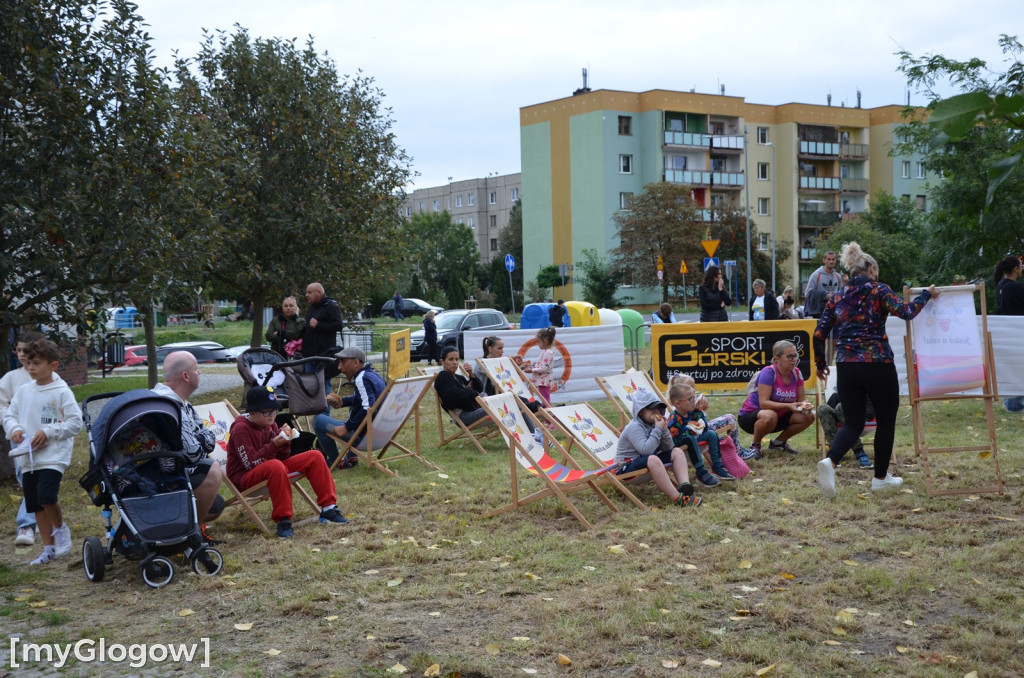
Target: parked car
x=409 y=307
x=451 y=325
x=217 y=351
x=133 y=355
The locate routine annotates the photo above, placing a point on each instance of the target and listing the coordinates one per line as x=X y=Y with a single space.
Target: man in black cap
x=368 y=387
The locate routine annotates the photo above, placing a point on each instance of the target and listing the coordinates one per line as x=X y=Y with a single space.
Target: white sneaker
x=26 y=536
x=827 y=478
x=62 y=540
x=890 y=482
x=47 y=556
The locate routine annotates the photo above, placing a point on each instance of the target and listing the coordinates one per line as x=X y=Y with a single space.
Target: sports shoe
x=350 y=461
x=47 y=556
x=706 y=478
x=723 y=473
x=284 y=529
x=62 y=540
x=26 y=536
x=204 y=530
x=746 y=454
x=685 y=488
x=756 y=449
x=782 y=445
x=827 y=478
x=865 y=460
x=689 y=500
x=332 y=515
x=889 y=482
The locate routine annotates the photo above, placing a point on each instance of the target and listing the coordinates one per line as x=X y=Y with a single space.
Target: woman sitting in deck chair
x=458 y=393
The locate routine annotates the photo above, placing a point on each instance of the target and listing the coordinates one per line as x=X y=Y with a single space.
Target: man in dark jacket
x=323 y=321
x=556 y=314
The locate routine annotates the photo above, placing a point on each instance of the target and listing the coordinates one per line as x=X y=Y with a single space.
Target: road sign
x=661 y=274
x=710 y=246
x=661 y=264
x=710 y=261
x=682 y=267
x=510 y=262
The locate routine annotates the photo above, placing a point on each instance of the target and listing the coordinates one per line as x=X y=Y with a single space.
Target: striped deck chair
x=479 y=430
x=381 y=425
x=251 y=496
x=506 y=375
x=621 y=388
x=559 y=479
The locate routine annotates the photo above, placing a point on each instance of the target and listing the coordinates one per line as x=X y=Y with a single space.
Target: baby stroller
x=137 y=466
x=301 y=393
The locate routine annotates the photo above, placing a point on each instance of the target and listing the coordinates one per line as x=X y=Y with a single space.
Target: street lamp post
x=746 y=193
x=774 y=208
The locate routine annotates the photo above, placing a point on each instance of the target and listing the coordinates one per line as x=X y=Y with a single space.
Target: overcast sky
x=456 y=73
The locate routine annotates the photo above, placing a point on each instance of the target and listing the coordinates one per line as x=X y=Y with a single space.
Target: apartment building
x=481 y=204
x=803 y=167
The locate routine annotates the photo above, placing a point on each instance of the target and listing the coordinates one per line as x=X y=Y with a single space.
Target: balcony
x=854 y=185
x=719 y=142
x=853 y=151
x=816 y=218
x=819 y=148
x=705 y=178
x=819 y=183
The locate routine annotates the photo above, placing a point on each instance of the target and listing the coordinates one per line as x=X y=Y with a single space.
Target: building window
x=717 y=164
x=762 y=135
x=906 y=169
x=458 y=201
x=921 y=203
x=408 y=211
x=437 y=205
x=494 y=221
x=920 y=171
x=421 y=207
x=459 y=221
x=492 y=198
x=624 y=200
x=763 y=206
x=718 y=200
x=494 y=244
x=625 y=125
x=905 y=197
x=844 y=171
x=625 y=164
x=764 y=241
x=514 y=194
x=677 y=162
x=471 y=199
x=470 y=223
x=762 y=171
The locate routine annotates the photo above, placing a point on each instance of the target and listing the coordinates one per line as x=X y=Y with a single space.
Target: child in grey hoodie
x=645 y=443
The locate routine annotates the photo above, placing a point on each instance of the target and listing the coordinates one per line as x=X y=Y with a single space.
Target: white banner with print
x=581 y=354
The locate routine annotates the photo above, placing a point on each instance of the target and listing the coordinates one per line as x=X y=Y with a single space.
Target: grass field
x=765 y=578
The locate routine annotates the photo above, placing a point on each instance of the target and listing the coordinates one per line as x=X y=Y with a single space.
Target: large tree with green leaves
x=313 y=174
x=441 y=255
x=598 y=280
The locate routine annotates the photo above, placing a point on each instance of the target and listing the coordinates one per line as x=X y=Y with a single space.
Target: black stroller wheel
x=94 y=560
x=208 y=563
x=159 y=572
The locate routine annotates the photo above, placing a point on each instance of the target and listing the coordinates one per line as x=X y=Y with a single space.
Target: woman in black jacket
x=714 y=299
x=456 y=392
x=763 y=305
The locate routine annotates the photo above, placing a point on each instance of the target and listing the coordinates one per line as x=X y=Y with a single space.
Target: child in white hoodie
x=44 y=415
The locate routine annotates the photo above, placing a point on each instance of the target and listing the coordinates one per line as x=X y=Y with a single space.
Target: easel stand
x=987 y=396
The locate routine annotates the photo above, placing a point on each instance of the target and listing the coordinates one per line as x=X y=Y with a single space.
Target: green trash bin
x=630 y=321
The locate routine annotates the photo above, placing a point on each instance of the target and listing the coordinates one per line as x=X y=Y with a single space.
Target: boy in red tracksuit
x=258 y=450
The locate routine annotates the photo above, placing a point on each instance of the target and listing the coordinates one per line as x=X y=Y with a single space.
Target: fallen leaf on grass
x=786 y=501
x=529 y=671
x=521 y=639
x=670 y=663
x=713 y=663
x=748 y=589
x=831 y=642
x=726 y=541
x=909 y=622
x=972 y=674
x=531 y=575
x=844 y=616
x=331 y=617
x=902 y=650
x=688 y=566
x=244 y=626
x=315 y=550
x=398 y=668
x=916 y=510
x=787 y=575
x=434 y=614
x=546 y=599
x=664 y=611
x=863 y=496
x=186 y=612
x=856 y=651
x=41 y=603
x=1009 y=520
x=26 y=590
x=745 y=565
x=617 y=548
x=395 y=582
x=564 y=661
x=851 y=610
x=851 y=563
x=839 y=630
x=273 y=652
x=21 y=599
x=984 y=455
x=443 y=475
x=371 y=637
x=765 y=671
x=491 y=648
x=589 y=568
x=433 y=670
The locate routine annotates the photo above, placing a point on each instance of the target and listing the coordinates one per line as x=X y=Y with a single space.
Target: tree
x=599 y=281
x=442 y=255
x=313 y=173
x=549 y=277
x=510 y=241
x=662 y=221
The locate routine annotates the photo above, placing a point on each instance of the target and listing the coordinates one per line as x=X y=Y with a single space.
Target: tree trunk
x=147 y=327
x=258 y=301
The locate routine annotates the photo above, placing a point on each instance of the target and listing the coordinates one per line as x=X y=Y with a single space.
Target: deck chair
x=248 y=498
x=381 y=425
x=560 y=480
x=621 y=388
x=867 y=435
x=506 y=375
x=479 y=430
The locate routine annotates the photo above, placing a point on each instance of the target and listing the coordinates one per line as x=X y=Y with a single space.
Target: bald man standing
x=181 y=379
x=323 y=322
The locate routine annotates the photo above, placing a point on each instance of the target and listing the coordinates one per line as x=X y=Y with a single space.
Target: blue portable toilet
x=124 y=318
x=535 y=316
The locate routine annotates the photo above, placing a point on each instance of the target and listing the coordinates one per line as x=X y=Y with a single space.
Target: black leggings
x=856 y=382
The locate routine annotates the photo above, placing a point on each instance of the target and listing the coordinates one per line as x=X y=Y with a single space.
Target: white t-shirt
x=758 y=308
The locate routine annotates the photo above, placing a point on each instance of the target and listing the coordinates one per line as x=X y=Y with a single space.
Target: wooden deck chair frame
x=382 y=424
x=988 y=395
x=475 y=432
x=507 y=375
x=251 y=496
x=620 y=400
x=560 y=480
x=821 y=394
